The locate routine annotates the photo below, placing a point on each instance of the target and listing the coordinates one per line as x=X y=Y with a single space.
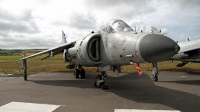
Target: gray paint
x=155 y=47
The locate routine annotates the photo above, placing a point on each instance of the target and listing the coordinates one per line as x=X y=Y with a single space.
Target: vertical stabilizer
x=64 y=38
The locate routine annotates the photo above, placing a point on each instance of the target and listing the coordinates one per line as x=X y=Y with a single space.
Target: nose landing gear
x=100 y=81
x=80 y=71
x=155 y=72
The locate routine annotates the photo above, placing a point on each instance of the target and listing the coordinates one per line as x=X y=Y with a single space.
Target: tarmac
x=128 y=92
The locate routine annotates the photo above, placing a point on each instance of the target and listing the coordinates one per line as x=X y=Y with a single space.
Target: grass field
x=11 y=64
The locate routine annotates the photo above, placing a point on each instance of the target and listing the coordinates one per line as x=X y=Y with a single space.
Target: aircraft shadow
x=188 y=82
x=140 y=89
x=194 y=73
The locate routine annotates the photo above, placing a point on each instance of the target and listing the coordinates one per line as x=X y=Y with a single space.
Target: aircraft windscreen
x=116 y=26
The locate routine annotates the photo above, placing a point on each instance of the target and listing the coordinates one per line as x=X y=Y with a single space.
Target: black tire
x=25 y=77
x=96 y=81
x=76 y=73
x=104 y=87
x=155 y=78
x=82 y=73
x=95 y=85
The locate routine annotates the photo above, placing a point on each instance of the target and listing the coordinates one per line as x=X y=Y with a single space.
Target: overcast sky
x=26 y=24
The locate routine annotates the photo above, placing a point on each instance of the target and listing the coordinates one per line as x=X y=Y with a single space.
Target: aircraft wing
x=189 y=52
x=52 y=51
x=189 y=46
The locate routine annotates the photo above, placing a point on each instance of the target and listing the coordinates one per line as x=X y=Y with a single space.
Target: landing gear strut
x=155 y=71
x=100 y=80
x=80 y=71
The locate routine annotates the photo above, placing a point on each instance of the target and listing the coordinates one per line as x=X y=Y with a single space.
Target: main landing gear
x=80 y=71
x=100 y=80
x=155 y=71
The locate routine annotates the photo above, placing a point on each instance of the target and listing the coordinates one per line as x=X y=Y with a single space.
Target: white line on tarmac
x=27 y=107
x=140 y=110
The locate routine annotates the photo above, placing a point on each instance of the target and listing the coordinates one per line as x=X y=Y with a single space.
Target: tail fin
x=64 y=38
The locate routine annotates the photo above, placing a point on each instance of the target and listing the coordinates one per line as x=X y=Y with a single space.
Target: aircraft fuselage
x=120 y=48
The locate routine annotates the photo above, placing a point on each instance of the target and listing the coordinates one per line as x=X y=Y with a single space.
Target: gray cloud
x=82 y=21
x=14 y=29
x=13 y=41
x=194 y=28
x=122 y=9
x=185 y=4
x=23 y=23
x=19 y=31
x=5 y=15
x=24 y=16
x=22 y=27
x=112 y=3
x=78 y=20
x=185 y=14
x=3 y=33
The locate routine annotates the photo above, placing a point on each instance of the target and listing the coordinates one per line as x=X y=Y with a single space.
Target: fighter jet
x=115 y=43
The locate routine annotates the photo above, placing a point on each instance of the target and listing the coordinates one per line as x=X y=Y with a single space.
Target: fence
x=10 y=67
x=33 y=65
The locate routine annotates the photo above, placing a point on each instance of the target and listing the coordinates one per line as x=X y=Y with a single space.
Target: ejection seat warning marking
x=140 y=110
x=27 y=107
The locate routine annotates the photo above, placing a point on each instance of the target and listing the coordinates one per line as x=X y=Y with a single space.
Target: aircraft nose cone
x=155 y=47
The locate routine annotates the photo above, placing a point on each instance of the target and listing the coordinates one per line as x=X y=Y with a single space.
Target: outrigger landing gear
x=100 y=80
x=80 y=71
x=155 y=71
x=24 y=67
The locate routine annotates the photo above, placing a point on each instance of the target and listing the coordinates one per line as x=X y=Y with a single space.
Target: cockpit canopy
x=116 y=25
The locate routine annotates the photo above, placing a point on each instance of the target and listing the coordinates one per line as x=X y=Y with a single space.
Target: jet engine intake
x=93 y=49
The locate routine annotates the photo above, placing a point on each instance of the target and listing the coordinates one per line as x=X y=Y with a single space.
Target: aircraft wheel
x=25 y=77
x=82 y=72
x=155 y=78
x=76 y=73
x=95 y=85
x=98 y=81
